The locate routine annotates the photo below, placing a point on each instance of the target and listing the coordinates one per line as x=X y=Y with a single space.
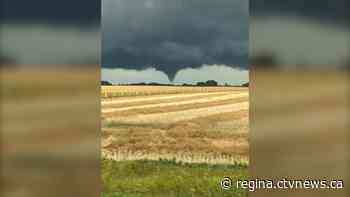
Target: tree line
x=209 y=83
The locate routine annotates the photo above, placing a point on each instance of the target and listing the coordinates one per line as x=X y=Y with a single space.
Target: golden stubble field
x=49 y=131
x=189 y=124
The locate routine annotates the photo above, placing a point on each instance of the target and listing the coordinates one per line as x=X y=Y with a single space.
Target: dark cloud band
x=171 y=35
x=77 y=12
x=324 y=11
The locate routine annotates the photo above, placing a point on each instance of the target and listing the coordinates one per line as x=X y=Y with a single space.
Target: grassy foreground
x=168 y=178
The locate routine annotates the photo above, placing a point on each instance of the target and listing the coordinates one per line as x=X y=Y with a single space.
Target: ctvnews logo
x=226 y=183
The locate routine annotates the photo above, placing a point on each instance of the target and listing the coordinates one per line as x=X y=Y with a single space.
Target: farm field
x=165 y=130
x=49 y=132
x=138 y=90
x=211 y=126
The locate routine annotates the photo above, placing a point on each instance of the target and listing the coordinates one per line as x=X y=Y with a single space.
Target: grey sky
x=220 y=73
x=42 y=32
x=298 y=41
x=299 y=32
x=189 y=32
x=172 y=35
x=44 y=44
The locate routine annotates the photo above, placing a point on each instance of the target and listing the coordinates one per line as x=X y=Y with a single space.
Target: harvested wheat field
x=188 y=124
x=135 y=90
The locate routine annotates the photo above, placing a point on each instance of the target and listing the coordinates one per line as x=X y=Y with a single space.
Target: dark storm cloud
x=57 y=11
x=336 y=11
x=171 y=35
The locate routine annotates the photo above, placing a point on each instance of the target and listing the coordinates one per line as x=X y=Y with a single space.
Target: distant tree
x=200 y=84
x=264 y=60
x=137 y=84
x=106 y=83
x=245 y=84
x=6 y=61
x=211 y=83
x=207 y=83
x=346 y=65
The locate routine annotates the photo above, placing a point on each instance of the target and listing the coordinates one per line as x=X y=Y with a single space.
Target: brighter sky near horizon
x=219 y=73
